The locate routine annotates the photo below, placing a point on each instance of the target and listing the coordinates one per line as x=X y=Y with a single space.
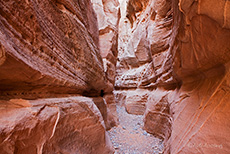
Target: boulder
x=136 y=101
x=55 y=125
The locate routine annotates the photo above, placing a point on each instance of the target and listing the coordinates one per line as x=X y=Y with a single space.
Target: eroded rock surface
x=201 y=111
x=168 y=61
x=108 y=15
x=55 y=125
x=200 y=123
x=158 y=116
x=144 y=58
x=51 y=49
x=179 y=51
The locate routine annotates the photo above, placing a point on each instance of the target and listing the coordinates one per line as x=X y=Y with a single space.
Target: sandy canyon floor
x=129 y=137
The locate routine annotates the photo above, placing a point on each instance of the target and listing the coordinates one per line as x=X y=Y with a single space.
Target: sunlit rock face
x=144 y=57
x=61 y=60
x=144 y=68
x=180 y=52
x=55 y=125
x=201 y=106
x=51 y=49
x=108 y=16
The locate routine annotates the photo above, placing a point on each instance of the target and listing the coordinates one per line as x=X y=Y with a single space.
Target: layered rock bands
x=173 y=67
x=49 y=59
x=60 y=62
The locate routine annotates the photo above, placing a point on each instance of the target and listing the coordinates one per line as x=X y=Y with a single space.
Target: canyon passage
x=114 y=76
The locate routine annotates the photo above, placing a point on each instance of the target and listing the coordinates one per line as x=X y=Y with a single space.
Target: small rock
x=145 y=133
x=116 y=148
x=123 y=127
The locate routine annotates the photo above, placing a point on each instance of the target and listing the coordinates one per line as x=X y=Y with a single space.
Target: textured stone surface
x=63 y=125
x=51 y=49
x=136 y=101
x=120 y=97
x=158 y=116
x=201 y=111
x=144 y=58
x=167 y=58
x=108 y=15
x=181 y=49
x=48 y=48
x=112 y=112
x=201 y=106
x=145 y=62
x=204 y=40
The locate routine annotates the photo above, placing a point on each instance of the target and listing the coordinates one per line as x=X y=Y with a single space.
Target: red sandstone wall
x=51 y=49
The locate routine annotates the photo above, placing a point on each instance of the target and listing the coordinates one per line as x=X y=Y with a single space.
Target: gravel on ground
x=129 y=137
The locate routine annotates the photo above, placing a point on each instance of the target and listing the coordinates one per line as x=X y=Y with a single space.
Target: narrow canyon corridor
x=114 y=77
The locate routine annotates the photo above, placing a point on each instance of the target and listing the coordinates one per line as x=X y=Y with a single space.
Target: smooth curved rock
x=202 y=58
x=63 y=125
x=108 y=15
x=136 y=100
x=187 y=73
x=51 y=49
x=144 y=58
x=158 y=116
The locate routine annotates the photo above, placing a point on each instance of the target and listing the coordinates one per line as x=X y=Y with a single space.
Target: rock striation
x=179 y=52
x=108 y=15
x=144 y=58
x=201 y=49
x=52 y=79
x=49 y=48
x=65 y=65
x=54 y=125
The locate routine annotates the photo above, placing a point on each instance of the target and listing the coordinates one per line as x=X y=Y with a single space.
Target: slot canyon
x=115 y=76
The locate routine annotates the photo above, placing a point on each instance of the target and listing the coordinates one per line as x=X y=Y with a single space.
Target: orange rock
x=136 y=101
x=49 y=48
x=63 y=125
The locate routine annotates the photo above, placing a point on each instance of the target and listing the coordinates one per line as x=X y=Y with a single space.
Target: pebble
x=145 y=133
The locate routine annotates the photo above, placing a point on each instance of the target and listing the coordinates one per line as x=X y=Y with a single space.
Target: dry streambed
x=129 y=137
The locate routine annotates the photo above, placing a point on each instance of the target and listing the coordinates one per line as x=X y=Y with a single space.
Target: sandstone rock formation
x=202 y=55
x=60 y=62
x=158 y=116
x=55 y=125
x=51 y=49
x=201 y=111
x=179 y=51
x=108 y=15
x=144 y=55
